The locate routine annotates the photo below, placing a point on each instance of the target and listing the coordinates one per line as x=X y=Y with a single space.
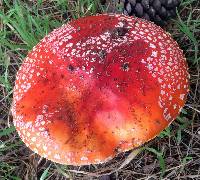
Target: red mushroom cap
x=98 y=86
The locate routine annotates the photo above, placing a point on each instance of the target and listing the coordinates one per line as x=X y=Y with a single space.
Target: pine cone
x=158 y=11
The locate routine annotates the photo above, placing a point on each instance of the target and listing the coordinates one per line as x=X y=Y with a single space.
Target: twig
x=193 y=108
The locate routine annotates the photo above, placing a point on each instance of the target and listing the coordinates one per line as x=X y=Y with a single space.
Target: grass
x=174 y=154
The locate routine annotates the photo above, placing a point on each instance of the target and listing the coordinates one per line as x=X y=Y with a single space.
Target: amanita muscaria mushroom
x=98 y=86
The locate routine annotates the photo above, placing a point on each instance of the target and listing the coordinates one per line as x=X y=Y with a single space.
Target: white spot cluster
x=90 y=49
x=24 y=79
x=166 y=63
x=52 y=41
x=34 y=135
x=40 y=54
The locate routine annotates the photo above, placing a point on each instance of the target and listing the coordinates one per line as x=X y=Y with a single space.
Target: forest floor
x=174 y=154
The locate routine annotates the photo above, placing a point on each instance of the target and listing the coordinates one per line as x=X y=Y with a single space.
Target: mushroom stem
x=130 y=157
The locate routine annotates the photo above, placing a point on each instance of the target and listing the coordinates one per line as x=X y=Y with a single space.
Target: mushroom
x=98 y=86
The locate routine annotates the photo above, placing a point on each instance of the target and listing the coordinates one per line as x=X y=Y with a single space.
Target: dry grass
x=174 y=154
